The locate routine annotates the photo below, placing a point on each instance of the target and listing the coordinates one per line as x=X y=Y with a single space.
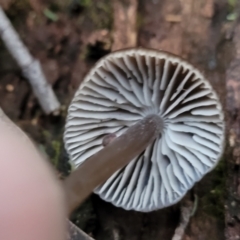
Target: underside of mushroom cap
x=123 y=88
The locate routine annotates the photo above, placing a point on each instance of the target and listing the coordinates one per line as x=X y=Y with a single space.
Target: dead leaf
x=9 y=87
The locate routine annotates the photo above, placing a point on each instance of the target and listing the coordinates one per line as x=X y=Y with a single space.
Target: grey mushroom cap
x=123 y=88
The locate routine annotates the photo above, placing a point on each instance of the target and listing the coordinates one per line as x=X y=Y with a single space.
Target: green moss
x=85 y=3
x=99 y=14
x=46 y=134
x=50 y=15
x=57 y=5
x=140 y=20
x=84 y=53
x=57 y=151
x=232 y=3
x=232 y=10
x=52 y=147
x=213 y=202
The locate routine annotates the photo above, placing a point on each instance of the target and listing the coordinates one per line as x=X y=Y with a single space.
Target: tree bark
x=232 y=211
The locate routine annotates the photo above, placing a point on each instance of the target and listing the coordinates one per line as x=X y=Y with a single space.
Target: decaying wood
x=232 y=211
x=30 y=66
x=173 y=18
x=114 y=156
x=125 y=21
x=195 y=38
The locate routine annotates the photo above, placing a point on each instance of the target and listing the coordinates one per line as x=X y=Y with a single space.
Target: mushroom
x=128 y=86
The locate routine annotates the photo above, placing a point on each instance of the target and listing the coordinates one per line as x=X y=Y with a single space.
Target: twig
x=187 y=211
x=75 y=233
x=30 y=66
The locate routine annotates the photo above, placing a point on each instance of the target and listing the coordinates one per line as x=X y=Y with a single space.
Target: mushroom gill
x=123 y=88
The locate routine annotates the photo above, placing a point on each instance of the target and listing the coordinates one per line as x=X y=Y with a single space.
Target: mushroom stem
x=114 y=156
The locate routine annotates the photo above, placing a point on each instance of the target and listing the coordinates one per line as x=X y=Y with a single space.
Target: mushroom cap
x=124 y=87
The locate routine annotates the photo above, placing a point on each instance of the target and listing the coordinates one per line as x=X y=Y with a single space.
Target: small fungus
x=125 y=87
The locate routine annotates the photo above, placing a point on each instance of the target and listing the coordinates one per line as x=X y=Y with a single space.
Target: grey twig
x=30 y=66
x=188 y=209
